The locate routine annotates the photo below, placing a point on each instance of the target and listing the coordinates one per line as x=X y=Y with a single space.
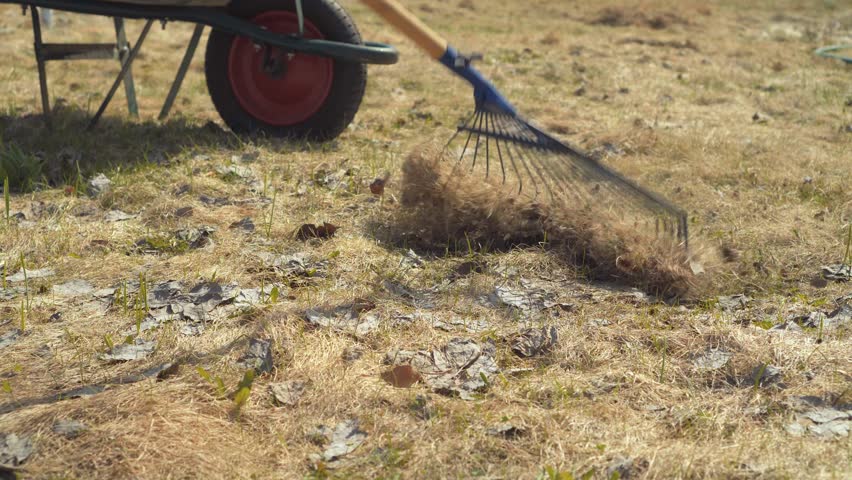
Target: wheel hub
x=277 y=87
x=275 y=62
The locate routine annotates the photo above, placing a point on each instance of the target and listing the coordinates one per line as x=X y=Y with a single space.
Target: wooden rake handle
x=411 y=26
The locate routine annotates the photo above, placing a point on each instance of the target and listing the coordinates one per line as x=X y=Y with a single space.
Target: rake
x=497 y=142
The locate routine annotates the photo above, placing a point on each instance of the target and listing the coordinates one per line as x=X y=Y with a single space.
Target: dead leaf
x=842 y=315
x=31 y=275
x=506 y=430
x=14 y=450
x=288 y=393
x=98 y=185
x=411 y=260
x=837 y=273
x=183 y=212
x=532 y=342
x=345 y=439
x=764 y=376
x=527 y=300
x=823 y=418
x=196 y=237
x=347 y=318
x=9 y=338
x=711 y=359
x=10 y=292
x=299 y=267
x=378 y=185
x=732 y=303
x=422 y=407
x=402 y=376
x=73 y=288
x=214 y=202
x=126 y=352
x=258 y=356
x=98 y=243
x=829 y=430
x=246 y=225
x=353 y=353
x=69 y=428
x=117 y=216
x=309 y=230
x=418 y=298
x=471 y=325
x=460 y=367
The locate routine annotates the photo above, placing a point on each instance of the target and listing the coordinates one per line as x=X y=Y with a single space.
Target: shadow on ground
x=158 y=371
x=33 y=154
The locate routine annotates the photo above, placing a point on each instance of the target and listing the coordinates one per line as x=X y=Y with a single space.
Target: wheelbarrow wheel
x=266 y=91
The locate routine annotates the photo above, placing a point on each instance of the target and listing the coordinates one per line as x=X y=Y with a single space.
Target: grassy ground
x=719 y=106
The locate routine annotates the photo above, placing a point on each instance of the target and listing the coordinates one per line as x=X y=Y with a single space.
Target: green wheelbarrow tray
x=210 y=13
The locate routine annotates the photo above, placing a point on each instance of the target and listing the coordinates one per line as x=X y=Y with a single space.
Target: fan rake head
x=511 y=152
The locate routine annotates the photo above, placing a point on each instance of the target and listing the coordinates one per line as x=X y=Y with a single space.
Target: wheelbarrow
x=280 y=68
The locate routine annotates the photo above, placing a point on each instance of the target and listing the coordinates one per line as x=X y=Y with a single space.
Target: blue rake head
x=497 y=142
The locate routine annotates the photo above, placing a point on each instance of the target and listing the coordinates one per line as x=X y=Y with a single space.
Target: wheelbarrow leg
x=123 y=51
x=40 y=60
x=125 y=68
x=181 y=74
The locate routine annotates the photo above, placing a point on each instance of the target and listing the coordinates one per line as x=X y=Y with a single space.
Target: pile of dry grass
x=444 y=206
x=639 y=16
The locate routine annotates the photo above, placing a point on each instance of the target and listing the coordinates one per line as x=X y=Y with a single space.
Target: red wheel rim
x=291 y=97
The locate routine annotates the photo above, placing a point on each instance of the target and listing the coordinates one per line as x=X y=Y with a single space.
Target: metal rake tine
x=497 y=125
x=500 y=157
x=469 y=135
x=500 y=129
x=566 y=171
x=623 y=199
x=526 y=160
x=556 y=168
x=565 y=193
x=487 y=151
x=632 y=196
x=515 y=168
x=586 y=172
x=537 y=166
x=581 y=191
x=652 y=200
x=478 y=137
x=683 y=229
x=593 y=171
x=580 y=180
x=509 y=146
x=459 y=129
x=669 y=227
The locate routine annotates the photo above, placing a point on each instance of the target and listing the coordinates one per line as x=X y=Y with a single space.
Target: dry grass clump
x=138 y=431
x=443 y=206
x=626 y=17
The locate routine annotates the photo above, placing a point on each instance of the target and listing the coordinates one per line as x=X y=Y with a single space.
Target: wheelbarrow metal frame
x=218 y=18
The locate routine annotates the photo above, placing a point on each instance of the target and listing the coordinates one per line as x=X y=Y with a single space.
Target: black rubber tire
x=348 y=84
